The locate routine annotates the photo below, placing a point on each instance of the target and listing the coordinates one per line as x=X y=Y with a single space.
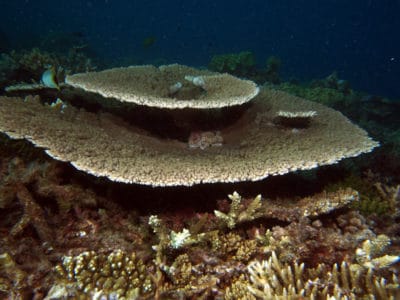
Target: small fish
x=49 y=78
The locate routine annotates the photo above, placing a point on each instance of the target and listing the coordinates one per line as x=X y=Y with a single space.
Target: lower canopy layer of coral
x=61 y=240
x=251 y=147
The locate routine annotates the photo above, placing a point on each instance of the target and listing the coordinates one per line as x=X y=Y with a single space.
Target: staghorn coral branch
x=284 y=209
x=33 y=215
x=238 y=213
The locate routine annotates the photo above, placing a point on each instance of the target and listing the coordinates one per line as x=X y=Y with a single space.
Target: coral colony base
x=69 y=235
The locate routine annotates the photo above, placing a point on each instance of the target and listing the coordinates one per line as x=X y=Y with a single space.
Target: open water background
x=359 y=39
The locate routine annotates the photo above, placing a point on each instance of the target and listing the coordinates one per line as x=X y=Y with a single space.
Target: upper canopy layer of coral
x=254 y=146
x=170 y=86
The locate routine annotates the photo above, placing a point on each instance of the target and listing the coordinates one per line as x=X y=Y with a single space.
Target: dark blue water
x=360 y=38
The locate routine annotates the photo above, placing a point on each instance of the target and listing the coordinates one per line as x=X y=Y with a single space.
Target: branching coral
x=377 y=196
x=12 y=277
x=35 y=61
x=185 y=281
x=368 y=255
x=200 y=273
x=14 y=185
x=242 y=64
x=167 y=239
x=284 y=209
x=117 y=274
x=44 y=181
x=391 y=196
x=55 y=215
x=317 y=241
x=238 y=213
x=192 y=258
x=179 y=239
x=7 y=67
x=271 y=279
x=33 y=215
x=234 y=246
x=324 y=95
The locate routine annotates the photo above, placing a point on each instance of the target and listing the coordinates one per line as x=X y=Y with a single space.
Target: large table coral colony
x=179 y=126
x=252 y=135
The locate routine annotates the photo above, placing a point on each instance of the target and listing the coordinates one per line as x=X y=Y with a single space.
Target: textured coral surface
x=333 y=232
x=66 y=235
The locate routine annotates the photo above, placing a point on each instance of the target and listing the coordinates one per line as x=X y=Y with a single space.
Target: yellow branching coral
x=390 y=195
x=284 y=209
x=12 y=277
x=368 y=254
x=238 y=213
x=174 y=240
x=233 y=246
x=271 y=279
x=238 y=290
